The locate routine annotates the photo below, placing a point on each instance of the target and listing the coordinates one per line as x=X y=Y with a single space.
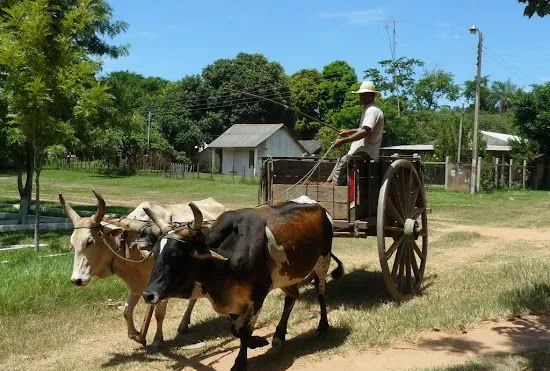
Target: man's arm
x=351 y=135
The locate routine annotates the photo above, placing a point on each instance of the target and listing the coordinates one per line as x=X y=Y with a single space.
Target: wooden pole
x=510 y=174
x=523 y=173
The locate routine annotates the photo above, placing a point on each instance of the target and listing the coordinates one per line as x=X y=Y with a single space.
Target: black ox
x=244 y=255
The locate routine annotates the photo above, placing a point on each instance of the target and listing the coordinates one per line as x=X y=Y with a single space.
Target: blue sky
x=175 y=38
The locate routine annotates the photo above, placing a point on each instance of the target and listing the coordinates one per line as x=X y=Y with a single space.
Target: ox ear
x=207 y=254
x=111 y=230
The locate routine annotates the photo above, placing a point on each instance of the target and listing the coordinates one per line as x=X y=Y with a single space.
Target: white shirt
x=373 y=118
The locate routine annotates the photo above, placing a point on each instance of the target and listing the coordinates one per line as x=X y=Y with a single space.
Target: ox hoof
x=321 y=329
x=134 y=337
x=182 y=329
x=257 y=342
x=277 y=342
x=157 y=344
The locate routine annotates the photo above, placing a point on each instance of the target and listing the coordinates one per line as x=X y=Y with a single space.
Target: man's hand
x=338 y=142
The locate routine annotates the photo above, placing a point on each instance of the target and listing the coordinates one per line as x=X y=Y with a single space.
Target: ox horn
x=71 y=214
x=101 y=208
x=197 y=216
x=162 y=224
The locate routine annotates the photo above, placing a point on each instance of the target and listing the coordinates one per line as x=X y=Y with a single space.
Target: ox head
x=90 y=234
x=177 y=256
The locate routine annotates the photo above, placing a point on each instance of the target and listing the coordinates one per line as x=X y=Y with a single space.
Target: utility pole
x=460 y=136
x=149 y=138
x=392 y=50
x=473 y=181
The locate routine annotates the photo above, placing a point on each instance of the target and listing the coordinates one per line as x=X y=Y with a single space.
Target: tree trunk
x=38 y=169
x=25 y=193
x=37 y=213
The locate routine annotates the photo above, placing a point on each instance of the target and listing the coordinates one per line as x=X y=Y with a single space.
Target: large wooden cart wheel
x=402 y=229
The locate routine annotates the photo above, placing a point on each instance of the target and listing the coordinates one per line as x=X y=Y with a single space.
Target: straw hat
x=368 y=87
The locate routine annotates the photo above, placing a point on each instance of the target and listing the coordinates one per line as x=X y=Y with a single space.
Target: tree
x=89 y=36
x=306 y=98
x=487 y=101
x=433 y=87
x=504 y=93
x=50 y=80
x=396 y=78
x=252 y=73
x=541 y=7
x=338 y=79
x=532 y=117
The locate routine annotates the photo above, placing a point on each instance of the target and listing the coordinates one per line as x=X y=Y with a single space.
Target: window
x=250 y=158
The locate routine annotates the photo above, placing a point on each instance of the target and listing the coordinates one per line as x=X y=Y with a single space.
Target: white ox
x=99 y=251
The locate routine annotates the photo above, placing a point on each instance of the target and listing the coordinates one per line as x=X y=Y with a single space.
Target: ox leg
x=242 y=327
x=321 y=270
x=160 y=312
x=129 y=306
x=186 y=320
x=291 y=296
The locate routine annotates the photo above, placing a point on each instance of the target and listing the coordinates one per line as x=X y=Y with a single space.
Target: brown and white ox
x=101 y=249
x=244 y=255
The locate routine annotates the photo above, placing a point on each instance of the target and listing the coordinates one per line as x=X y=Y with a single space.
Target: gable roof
x=498 y=138
x=311 y=146
x=245 y=135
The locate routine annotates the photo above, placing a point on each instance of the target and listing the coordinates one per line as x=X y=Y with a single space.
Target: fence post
x=510 y=174
x=478 y=174
x=446 y=172
x=523 y=174
x=496 y=171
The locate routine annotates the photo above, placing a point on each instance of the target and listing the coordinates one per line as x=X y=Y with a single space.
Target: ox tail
x=338 y=272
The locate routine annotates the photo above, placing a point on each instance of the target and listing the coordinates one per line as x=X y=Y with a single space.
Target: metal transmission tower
x=393 y=43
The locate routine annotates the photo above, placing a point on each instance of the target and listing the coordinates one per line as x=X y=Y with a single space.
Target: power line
x=510 y=67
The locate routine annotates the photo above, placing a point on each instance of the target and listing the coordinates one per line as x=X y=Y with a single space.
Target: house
x=497 y=146
x=242 y=146
x=312 y=146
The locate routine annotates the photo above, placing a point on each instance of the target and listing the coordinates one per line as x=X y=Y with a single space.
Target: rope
x=302 y=181
x=122 y=257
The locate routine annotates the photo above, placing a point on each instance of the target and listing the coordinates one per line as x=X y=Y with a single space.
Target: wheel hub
x=411 y=229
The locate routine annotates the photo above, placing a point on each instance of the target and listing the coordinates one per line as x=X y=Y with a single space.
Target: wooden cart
x=383 y=198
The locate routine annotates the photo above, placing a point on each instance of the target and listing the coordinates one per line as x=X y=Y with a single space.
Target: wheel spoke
x=401 y=272
x=408 y=272
x=391 y=208
x=394 y=247
x=393 y=229
x=415 y=267
x=418 y=251
x=397 y=193
x=417 y=212
x=414 y=197
x=397 y=260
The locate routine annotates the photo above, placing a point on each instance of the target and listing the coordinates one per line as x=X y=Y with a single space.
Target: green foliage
x=541 y=7
x=434 y=87
x=306 y=97
x=532 y=117
x=397 y=78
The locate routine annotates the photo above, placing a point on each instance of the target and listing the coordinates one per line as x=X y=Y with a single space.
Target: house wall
x=237 y=160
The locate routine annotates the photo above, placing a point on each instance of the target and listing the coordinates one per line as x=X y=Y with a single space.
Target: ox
x=98 y=247
x=245 y=254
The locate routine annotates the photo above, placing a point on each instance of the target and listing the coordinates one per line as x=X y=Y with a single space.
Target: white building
x=242 y=146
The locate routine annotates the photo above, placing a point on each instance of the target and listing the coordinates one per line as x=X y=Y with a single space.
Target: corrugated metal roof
x=311 y=146
x=500 y=136
x=412 y=147
x=245 y=135
x=498 y=148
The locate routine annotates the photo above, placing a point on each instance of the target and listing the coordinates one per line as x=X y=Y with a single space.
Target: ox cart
x=383 y=198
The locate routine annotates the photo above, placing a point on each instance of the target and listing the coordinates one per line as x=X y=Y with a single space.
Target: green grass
x=130 y=191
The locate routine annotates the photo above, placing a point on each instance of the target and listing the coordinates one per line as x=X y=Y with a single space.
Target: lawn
x=470 y=277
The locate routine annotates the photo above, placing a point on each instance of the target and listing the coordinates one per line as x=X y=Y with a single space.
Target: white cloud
x=372 y=16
